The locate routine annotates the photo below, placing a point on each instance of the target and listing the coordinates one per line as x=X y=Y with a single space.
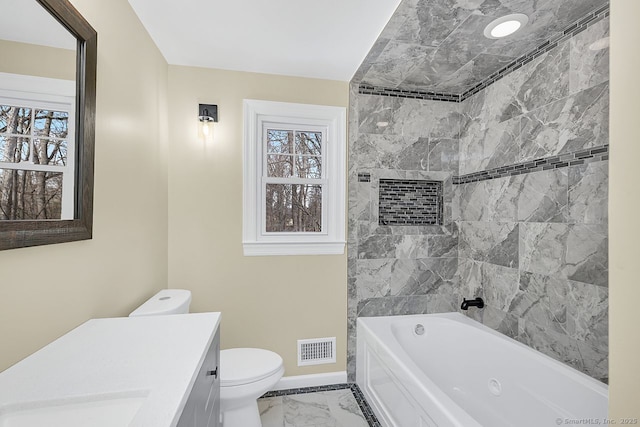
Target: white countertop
x=156 y=356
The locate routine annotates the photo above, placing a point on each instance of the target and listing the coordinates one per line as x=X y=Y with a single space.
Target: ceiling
x=426 y=45
x=439 y=45
x=325 y=39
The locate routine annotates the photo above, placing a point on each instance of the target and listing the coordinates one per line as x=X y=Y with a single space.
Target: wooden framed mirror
x=36 y=138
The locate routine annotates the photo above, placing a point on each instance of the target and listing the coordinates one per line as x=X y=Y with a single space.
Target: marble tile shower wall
x=535 y=245
x=400 y=269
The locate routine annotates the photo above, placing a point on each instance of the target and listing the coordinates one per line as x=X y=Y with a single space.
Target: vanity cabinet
x=203 y=404
x=124 y=371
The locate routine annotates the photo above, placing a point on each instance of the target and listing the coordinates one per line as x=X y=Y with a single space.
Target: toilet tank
x=167 y=301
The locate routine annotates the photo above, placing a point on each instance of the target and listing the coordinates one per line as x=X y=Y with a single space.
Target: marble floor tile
x=345 y=409
x=271 y=413
x=302 y=410
x=333 y=408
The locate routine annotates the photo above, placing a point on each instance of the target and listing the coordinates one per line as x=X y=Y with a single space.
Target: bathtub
x=448 y=370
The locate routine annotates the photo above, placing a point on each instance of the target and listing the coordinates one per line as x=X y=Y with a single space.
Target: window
x=294 y=179
x=36 y=148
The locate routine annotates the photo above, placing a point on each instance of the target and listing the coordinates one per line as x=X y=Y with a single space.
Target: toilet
x=245 y=373
x=167 y=301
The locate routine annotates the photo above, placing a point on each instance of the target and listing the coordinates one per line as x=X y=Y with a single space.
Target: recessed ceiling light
x=505 y=25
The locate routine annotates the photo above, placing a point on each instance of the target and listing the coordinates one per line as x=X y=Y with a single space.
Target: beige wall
x=624 y=202
x=267 y=302
x=36 y=60
x=48 y=290
x=126 y=261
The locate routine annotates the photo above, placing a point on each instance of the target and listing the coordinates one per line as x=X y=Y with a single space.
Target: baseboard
x=312 y=380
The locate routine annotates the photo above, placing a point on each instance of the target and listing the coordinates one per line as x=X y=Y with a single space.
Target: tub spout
x=466 y=303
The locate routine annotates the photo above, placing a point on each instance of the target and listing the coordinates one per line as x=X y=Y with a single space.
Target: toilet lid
x=246 y=365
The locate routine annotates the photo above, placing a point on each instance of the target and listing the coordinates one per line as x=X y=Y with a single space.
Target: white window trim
x=332 y=239
x=46 y=93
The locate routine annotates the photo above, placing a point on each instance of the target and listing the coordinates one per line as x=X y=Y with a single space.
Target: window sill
x=292 y=248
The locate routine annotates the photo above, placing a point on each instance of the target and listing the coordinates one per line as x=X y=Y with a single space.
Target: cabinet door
x=214 y=419
x=212 y=407
x=201 y=403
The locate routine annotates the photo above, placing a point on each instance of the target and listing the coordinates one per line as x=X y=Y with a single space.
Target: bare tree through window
x=31 y=138
x=294 y=180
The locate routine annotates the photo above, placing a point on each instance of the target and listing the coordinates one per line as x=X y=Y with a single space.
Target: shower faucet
x=466 y=303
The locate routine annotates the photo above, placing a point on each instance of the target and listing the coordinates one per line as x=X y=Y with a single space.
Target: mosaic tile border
x=570 y=31
x=364 y=177
x=369 y=416
x=305 y=390
x=364 y=407
x=575 y=158
x=364 y=89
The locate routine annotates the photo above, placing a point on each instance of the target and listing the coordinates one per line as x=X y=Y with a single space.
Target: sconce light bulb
x=205 y=128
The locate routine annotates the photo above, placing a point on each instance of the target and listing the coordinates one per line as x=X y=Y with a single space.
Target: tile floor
x=340 y=405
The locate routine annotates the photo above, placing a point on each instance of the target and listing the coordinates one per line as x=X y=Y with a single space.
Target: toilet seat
x=241 y=366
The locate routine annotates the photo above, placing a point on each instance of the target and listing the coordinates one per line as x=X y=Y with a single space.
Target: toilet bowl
x=245 y=375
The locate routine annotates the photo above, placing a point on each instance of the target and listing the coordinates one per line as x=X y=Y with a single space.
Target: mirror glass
x=37 y=114
x=48 y=65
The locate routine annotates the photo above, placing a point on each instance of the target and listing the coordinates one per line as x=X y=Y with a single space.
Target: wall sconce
x=207 y=115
